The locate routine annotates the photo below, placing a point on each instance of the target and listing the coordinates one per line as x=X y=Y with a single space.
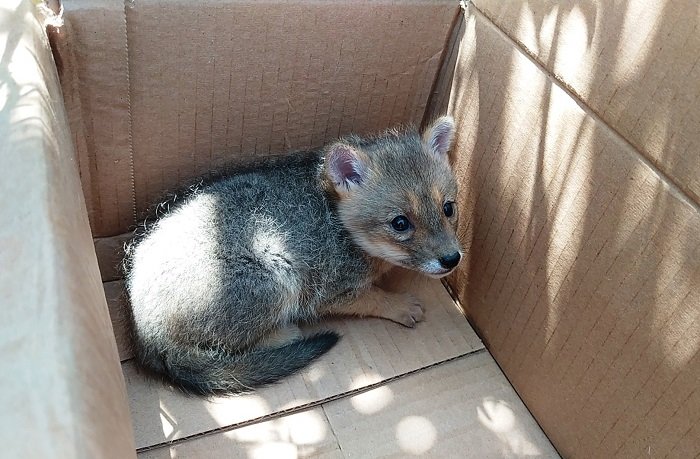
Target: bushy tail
x=209 y=372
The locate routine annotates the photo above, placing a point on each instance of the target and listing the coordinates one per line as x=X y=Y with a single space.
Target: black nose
x=450 y=261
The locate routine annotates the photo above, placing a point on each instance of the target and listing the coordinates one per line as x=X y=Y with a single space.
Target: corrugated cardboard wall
x=91 y=57
x=208 y=87
x=583 y=276
x=63 y=393
x=634 y=63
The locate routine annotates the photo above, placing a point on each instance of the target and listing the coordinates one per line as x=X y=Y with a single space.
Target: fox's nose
x=450 y=261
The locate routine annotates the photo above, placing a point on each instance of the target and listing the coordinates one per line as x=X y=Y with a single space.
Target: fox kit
x=218 y=283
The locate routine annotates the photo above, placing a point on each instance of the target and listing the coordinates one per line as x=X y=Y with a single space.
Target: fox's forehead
x=434 y=180
x=421 y=189
x=403 y=164
x=418 y=166
x=427 y=198
x=433 y=195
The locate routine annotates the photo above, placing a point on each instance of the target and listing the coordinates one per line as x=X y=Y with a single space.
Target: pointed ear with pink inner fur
x=345 y=167
x=439 y=136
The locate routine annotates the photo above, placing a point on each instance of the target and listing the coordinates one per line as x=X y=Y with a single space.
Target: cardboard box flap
x=462 y=408
x=304 y=434
x=371 y=352
x=62 y=392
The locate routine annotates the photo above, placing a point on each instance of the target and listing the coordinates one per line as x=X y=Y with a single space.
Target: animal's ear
x=345 y=167
x=439 y=136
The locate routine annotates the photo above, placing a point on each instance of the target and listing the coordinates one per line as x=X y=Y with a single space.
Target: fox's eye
x=449 y=208
x=400 y=223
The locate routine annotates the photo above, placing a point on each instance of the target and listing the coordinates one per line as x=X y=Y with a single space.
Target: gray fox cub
x=218 y=282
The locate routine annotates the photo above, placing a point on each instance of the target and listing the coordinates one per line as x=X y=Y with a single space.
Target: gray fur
x=214 y=279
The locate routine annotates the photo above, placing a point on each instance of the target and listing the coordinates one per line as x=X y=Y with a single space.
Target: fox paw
x=407 y=313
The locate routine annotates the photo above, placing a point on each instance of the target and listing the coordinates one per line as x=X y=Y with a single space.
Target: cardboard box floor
x=385 y=390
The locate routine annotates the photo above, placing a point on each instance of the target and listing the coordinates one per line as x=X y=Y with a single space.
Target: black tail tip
x=323 y=341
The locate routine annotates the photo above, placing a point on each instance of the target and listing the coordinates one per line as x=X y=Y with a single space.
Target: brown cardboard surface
x=439 y=97
x=464 y=408
x=306 y=434
x=203 y=88
x=62 y=392
x=117 y=304
x=584 y=266
x=635 y=63
x=92 y=60
x=371 y=351
x=461 y=408
x=110 y=253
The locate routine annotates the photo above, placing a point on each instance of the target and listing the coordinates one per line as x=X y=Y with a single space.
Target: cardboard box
x=577 y=153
